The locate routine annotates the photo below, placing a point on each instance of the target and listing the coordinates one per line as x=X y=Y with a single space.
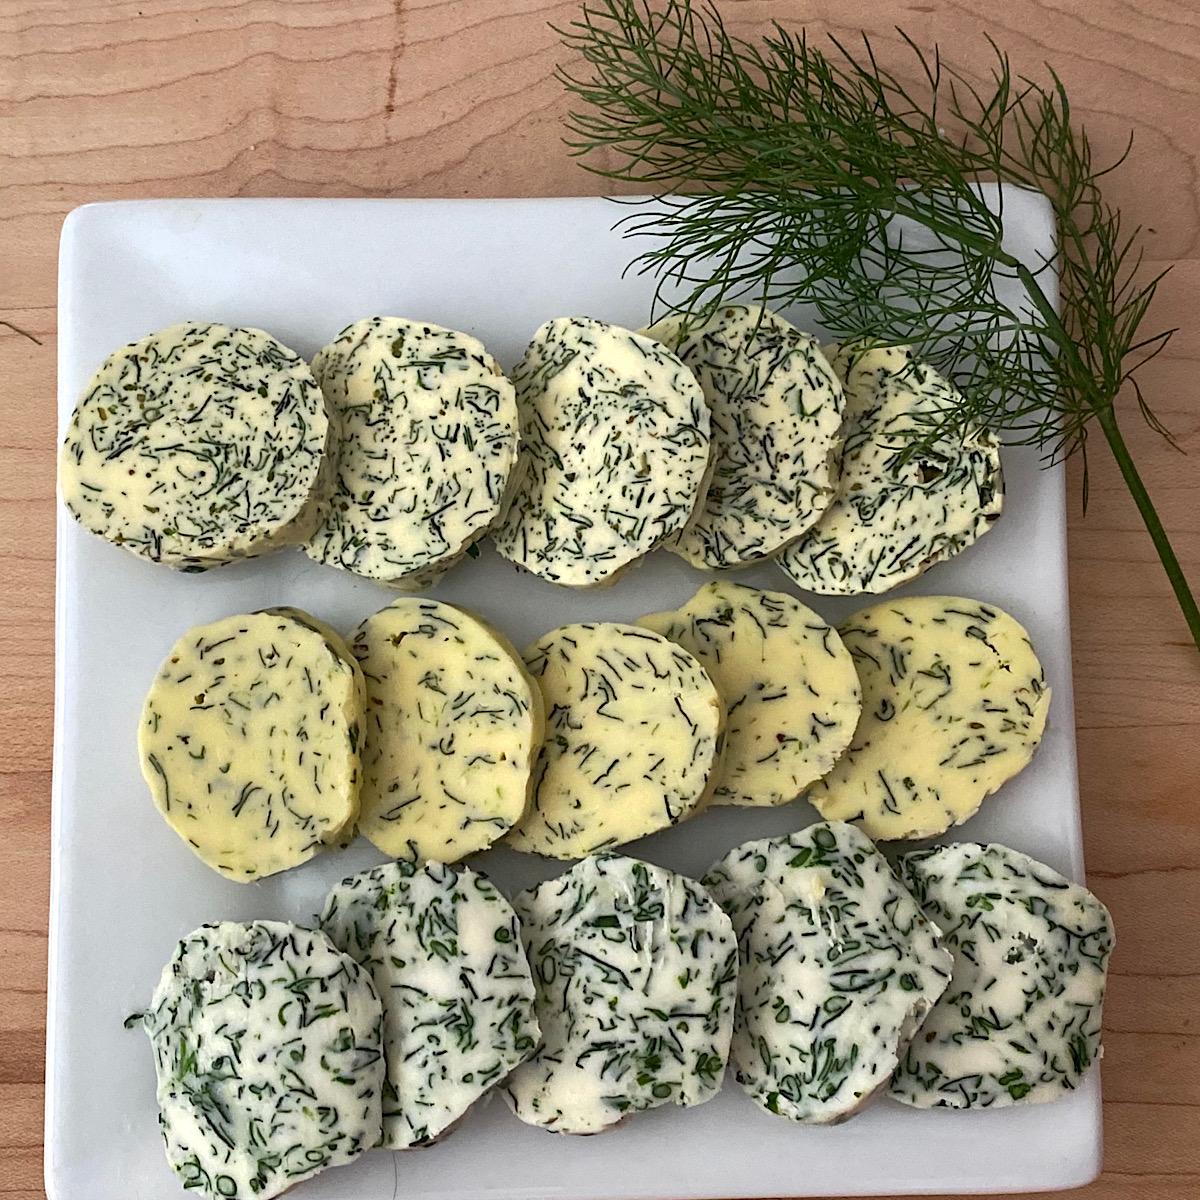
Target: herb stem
x=1062 y=337
x=1107 y=418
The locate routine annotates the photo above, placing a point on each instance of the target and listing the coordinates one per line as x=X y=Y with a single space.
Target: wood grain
x=131 y=98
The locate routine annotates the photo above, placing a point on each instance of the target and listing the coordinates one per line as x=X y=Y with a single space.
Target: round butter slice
x=444 y=950
x=268 y=1050
x=1021 y=1020
x=789 y=688
x=838 y=970
x=427 y=443
x=894 y=517
x=636 y=976
x=198 y=445
x=954 y=704
x=615 y=449
x=633 y=725
x=249 y=741
x=453 y=723
x=776 y=408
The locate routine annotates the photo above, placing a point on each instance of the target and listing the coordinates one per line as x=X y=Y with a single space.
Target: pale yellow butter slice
x=897 y=514
x=268 y=1049
x=954 y=704
x=1022 y=1019
x=633 y=724
x=615 y=450
x=444 y=950
x=636 y=975
x=789 y=688
x=776 y=409
x=249 y=741
x=198 y=445
x=427 y=444
x=453 y=723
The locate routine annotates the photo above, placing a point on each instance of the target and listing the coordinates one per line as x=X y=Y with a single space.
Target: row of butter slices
x=728 y=443
x=619 y=987
x=202 y=444
x=266 y=738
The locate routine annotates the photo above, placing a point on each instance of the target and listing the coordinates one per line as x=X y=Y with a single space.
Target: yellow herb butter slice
x=1021 y=1020
x=954 y=704
x=249 y=741
x=776 y=409
x=636 y=976
x=789 y=687
x=632 y=730
x=427 y=443
x=453 y=723
x=268 y=1050
x=897 y=514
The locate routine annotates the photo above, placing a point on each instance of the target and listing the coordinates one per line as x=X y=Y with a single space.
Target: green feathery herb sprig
x=826 y=179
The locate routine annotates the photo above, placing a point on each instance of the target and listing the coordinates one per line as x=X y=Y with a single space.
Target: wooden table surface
x=105 y=99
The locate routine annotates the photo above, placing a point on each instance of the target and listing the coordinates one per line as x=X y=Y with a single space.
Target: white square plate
x=125 y=889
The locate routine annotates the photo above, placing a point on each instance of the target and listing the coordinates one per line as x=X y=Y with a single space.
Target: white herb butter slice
x=444 y=950
x=636 y=975
x=776 y=408
x=893 y=518
x=614 y=451
x=427 y=442
x=1021 y=1020
x=198 y=445
x=954 y=703
x=249 y=741
x=789 y=688
x=453 y=724
x=838 y=969
x=268 y=1049
x=632 y=729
